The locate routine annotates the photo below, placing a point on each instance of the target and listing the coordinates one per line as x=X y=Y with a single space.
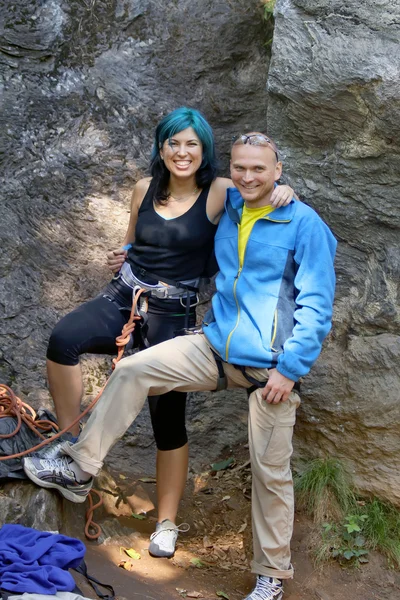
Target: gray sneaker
x=163 y=540
x=267 y=588
x=53 y=449
x=56 y=473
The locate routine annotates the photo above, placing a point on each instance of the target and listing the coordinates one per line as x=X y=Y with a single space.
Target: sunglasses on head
x=255 y=139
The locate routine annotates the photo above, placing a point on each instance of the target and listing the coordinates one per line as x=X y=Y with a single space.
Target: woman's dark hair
x=173 y=123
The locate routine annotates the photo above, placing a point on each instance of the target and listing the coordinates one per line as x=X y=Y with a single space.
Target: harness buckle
x=161 y=293
x=190 y=305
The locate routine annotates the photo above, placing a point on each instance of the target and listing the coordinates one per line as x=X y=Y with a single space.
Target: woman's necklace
x=183 y=198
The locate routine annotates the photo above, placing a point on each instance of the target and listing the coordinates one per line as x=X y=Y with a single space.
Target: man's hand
x=281 y=195
x=115 y=259
x=278 y=387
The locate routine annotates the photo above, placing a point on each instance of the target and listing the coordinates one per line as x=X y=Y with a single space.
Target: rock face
x=83 y=86
x=334 y=108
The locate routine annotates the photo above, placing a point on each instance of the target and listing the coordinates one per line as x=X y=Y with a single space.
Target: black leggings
x=93 y=327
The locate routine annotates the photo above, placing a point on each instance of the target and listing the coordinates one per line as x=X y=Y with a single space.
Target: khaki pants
x=187 y=364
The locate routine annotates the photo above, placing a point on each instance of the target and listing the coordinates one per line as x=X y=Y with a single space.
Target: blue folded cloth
x=37 y=561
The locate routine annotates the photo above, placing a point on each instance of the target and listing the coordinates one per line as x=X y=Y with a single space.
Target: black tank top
x=180 y=248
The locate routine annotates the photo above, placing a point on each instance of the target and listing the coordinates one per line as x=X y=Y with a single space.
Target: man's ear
x=278 y=170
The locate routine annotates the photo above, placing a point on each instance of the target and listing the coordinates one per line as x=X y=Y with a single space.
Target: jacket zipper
x=238 y=314
x=228 y=341
x=276 y=220
x=275 y=324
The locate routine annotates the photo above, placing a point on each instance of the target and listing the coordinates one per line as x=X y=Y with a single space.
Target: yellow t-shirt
x=249 y=217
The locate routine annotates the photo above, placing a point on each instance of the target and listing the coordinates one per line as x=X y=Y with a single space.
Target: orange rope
x=12 y=406
x=89 y=516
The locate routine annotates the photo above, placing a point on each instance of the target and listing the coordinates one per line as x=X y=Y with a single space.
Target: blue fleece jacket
x=276 y=310
x=37 y=561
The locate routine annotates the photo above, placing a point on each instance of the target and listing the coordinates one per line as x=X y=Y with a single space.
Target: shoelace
x=49 y=452
x=182 y=528
x=266 y=589
x=56 y=464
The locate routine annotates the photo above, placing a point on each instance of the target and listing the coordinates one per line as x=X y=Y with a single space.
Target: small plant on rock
x=323 y=489
x=269 y=6
x=349 y=527
x=344 y=542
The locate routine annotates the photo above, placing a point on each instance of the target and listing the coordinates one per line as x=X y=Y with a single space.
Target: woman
x=167 y=248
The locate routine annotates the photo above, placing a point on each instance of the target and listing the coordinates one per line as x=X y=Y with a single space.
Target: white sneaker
x=267 y=588
x=163 y=540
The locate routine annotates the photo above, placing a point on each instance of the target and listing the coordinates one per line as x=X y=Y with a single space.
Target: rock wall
x=83 y=85
x=334 y=107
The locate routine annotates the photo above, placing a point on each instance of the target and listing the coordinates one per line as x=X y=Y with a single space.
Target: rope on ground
x=12 y=406
x=90 y=524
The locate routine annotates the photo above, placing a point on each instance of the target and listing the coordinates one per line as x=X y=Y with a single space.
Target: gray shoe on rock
x=53 y=449
x=267 y=588
x=57 y=473
x=163 y=540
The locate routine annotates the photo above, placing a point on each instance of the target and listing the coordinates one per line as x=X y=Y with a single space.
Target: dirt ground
x=212 y=559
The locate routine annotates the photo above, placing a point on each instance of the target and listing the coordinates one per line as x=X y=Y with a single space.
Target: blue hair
x=176 y=121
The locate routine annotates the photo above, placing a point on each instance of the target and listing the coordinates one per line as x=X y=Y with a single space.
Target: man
x=269 y=316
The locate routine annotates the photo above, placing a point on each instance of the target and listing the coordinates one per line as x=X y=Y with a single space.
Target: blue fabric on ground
x=37 y=561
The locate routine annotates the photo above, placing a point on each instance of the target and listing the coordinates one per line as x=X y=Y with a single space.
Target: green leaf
x=224 y=464
x=359 y=541
x=348 y=554
x=197 y=562
x=351 y=527
x=222 y=595
x=363 y=559
x=140 y=517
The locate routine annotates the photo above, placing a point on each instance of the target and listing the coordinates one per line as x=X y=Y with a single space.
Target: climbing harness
x=222 y=382
x=164 y=289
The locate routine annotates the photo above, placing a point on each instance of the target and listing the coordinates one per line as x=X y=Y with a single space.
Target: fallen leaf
x=194 y=595
x=223 y=464
x=225 y=498
x=148 y=480
x=140 y=517
x=196 y=562
x=242 y=527
x=181 y=592
x=207 y=543
x=125 y=564
x=222 y=595
x=131 y=553
x=220 y=553
x=122 y=476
